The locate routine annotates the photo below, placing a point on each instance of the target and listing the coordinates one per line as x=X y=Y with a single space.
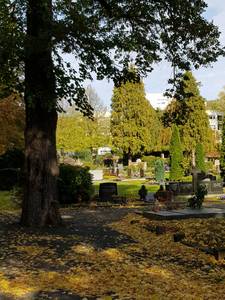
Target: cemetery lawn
x=110 y=254
x=6 y=202
x=129 y=187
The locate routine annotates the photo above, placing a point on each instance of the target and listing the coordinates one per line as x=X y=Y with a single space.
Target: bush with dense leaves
x=197 y=200
x=9 y=178
x=75 y=184
x=13 y=158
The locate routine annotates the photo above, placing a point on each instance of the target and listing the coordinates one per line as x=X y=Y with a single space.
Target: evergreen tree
x=159 y=170
x=176 y=155
x=134 y=123
x=189 y=113
x=222 y=153
x=200 y=157
x=194 y=128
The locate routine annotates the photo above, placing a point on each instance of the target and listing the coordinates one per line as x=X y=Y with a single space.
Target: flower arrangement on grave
x=197 y=200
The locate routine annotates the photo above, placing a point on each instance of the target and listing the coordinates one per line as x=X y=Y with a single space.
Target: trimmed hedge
x=75 y=184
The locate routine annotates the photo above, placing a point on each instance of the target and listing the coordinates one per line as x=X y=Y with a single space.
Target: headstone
x=174 y=187
x=217 y=187
x=185 y=188
x=150 y=197
x=107 y=190
x=96 y=174
x=120 y=167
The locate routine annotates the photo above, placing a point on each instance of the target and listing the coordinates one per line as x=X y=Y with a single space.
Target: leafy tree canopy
x=219 y=104
x=103 y=36
x=12 y=123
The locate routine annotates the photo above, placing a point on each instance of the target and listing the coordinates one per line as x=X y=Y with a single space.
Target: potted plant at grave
x=197 y=200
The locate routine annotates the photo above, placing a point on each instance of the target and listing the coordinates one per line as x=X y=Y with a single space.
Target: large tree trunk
x=40 y=201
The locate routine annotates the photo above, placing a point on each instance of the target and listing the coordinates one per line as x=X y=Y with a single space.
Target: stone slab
x=185 y=214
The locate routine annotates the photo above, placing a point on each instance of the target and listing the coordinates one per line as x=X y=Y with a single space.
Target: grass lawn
x=6 y=202
x=129 y=187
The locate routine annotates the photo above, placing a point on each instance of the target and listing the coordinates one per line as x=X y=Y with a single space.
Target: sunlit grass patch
x=6 y=202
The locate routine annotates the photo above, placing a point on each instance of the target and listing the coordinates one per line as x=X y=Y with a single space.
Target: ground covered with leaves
x=111 y=253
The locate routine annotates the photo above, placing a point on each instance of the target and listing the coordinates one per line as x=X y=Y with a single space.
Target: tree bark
x=40 y=206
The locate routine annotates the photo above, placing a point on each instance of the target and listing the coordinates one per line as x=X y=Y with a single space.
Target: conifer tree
x=134 y=123
x=200 y=157
x=222 y=153
x=159 y=170
x=189 y=113
x=195 y=128
x=176 y=155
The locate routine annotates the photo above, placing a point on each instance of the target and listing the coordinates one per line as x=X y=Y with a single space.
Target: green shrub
x=176 y=155
x=7 y=202
x=75 y=184
x=159 y=170
x=200 y=157
x=12 y=159
x=9 y=178
x=150 y=160
x=197 y=200
x=84 y=155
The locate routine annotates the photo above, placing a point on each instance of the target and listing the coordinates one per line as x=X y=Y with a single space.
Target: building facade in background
x=215 y=119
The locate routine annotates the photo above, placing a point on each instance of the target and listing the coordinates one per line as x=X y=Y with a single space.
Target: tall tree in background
x=222 y=153
x=103 y=36
x=219 y=103
x=176 y=155
x=134 y=127
x=12 y=122
x=98 y=128
x=200 y=157
x=76 y=132
x=189 y=113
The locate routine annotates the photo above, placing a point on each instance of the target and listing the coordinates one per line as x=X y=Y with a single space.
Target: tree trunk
x=193 y=160
x=40 y=200
x=127 y=158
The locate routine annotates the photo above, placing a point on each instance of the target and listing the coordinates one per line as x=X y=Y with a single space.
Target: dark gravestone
x=207 y=184
x=217 y=187
x=213 y=187
x=174 y=187
x=107 y=190
x=185 y=188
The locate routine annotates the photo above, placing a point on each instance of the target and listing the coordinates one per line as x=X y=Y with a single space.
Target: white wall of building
x=215 y=119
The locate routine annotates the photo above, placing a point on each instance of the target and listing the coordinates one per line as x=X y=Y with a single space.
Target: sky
x=212 y=79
